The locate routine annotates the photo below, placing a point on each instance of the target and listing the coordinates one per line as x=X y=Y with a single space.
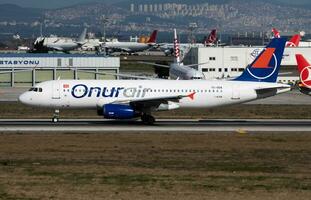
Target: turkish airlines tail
x=305 y=74
x=294 y=41
x=211 y=39
x=276 y=33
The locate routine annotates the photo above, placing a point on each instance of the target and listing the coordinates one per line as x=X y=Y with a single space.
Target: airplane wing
x=153 y=102
x=272 y=90
x=118 y=49
x=56 y=48
x=154 y=64
x=192 y=65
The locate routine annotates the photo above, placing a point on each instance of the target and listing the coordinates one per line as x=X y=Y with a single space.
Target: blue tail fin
x=265 y=68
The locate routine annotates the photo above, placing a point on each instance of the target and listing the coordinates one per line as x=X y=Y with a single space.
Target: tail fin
x=265 y=67
x=176 y=48
x=153 y=37
x=276 y=33
x=81 y=38
x=211 y=39
x=294 y=41
x=304 y=69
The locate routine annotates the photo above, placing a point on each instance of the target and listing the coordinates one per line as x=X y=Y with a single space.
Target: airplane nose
x=24 y=98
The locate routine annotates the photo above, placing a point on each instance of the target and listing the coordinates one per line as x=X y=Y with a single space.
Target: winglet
x=191 y=96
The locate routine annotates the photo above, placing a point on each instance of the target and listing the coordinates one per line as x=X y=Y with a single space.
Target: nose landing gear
x=55 y=118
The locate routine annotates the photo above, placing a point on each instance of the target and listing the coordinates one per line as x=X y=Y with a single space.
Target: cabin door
x=56 y=90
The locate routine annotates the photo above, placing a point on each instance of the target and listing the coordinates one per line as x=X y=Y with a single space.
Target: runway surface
x=163 y=125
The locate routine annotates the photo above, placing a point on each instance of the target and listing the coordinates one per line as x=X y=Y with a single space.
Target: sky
x=64 y=3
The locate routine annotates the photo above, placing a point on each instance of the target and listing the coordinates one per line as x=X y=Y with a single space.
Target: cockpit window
x=35 y=89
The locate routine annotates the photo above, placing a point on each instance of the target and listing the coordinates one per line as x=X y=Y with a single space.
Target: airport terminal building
x=25 y=70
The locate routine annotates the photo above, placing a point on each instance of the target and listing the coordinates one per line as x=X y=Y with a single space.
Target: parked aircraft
x=304 y=69
x=177 y=70
x=210 y=40
x=293 y=42
x=45 y=44
x=128 y=99
x=131 y=47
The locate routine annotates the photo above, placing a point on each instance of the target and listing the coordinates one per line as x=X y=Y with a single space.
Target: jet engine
x=118 y=111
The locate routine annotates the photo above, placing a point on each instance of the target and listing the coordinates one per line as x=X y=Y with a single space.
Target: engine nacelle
x=168 y=106
x=118 y=111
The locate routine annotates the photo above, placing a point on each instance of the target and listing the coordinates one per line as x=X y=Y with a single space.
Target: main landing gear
x=147 y=119
x=55 y=118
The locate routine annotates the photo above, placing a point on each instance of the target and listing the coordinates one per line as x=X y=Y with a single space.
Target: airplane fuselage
x=128 y=46
x=96 y=93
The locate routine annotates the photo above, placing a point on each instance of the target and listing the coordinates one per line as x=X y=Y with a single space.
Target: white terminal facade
x=230 y=61
x=24 y=70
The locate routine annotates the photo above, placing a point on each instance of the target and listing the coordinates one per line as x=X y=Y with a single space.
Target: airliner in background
x=304 y=69
x=177 y=70
x=293 y=42
x=131 y=47
x=129 y=99
x=45 y=44
x=210 y=40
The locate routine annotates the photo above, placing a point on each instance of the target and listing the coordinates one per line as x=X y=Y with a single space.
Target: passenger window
x=40 y=89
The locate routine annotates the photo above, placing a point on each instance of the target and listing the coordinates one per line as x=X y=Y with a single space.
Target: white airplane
x=168 y=48
x=177 y=70
x=128 y=99
x=44 y=44
x=131 y=47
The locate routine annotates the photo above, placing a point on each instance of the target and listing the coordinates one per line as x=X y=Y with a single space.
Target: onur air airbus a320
x=128 y=99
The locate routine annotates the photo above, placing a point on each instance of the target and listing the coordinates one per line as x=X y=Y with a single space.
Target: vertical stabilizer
x=276 y=33
x=176 y=48
x=211 y=39
x=265 y=68
x=153 y=37
x=81 y=38
x=294 y=41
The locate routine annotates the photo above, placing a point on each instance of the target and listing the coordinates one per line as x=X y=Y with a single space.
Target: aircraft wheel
x=55 y=119
x=148 y=119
